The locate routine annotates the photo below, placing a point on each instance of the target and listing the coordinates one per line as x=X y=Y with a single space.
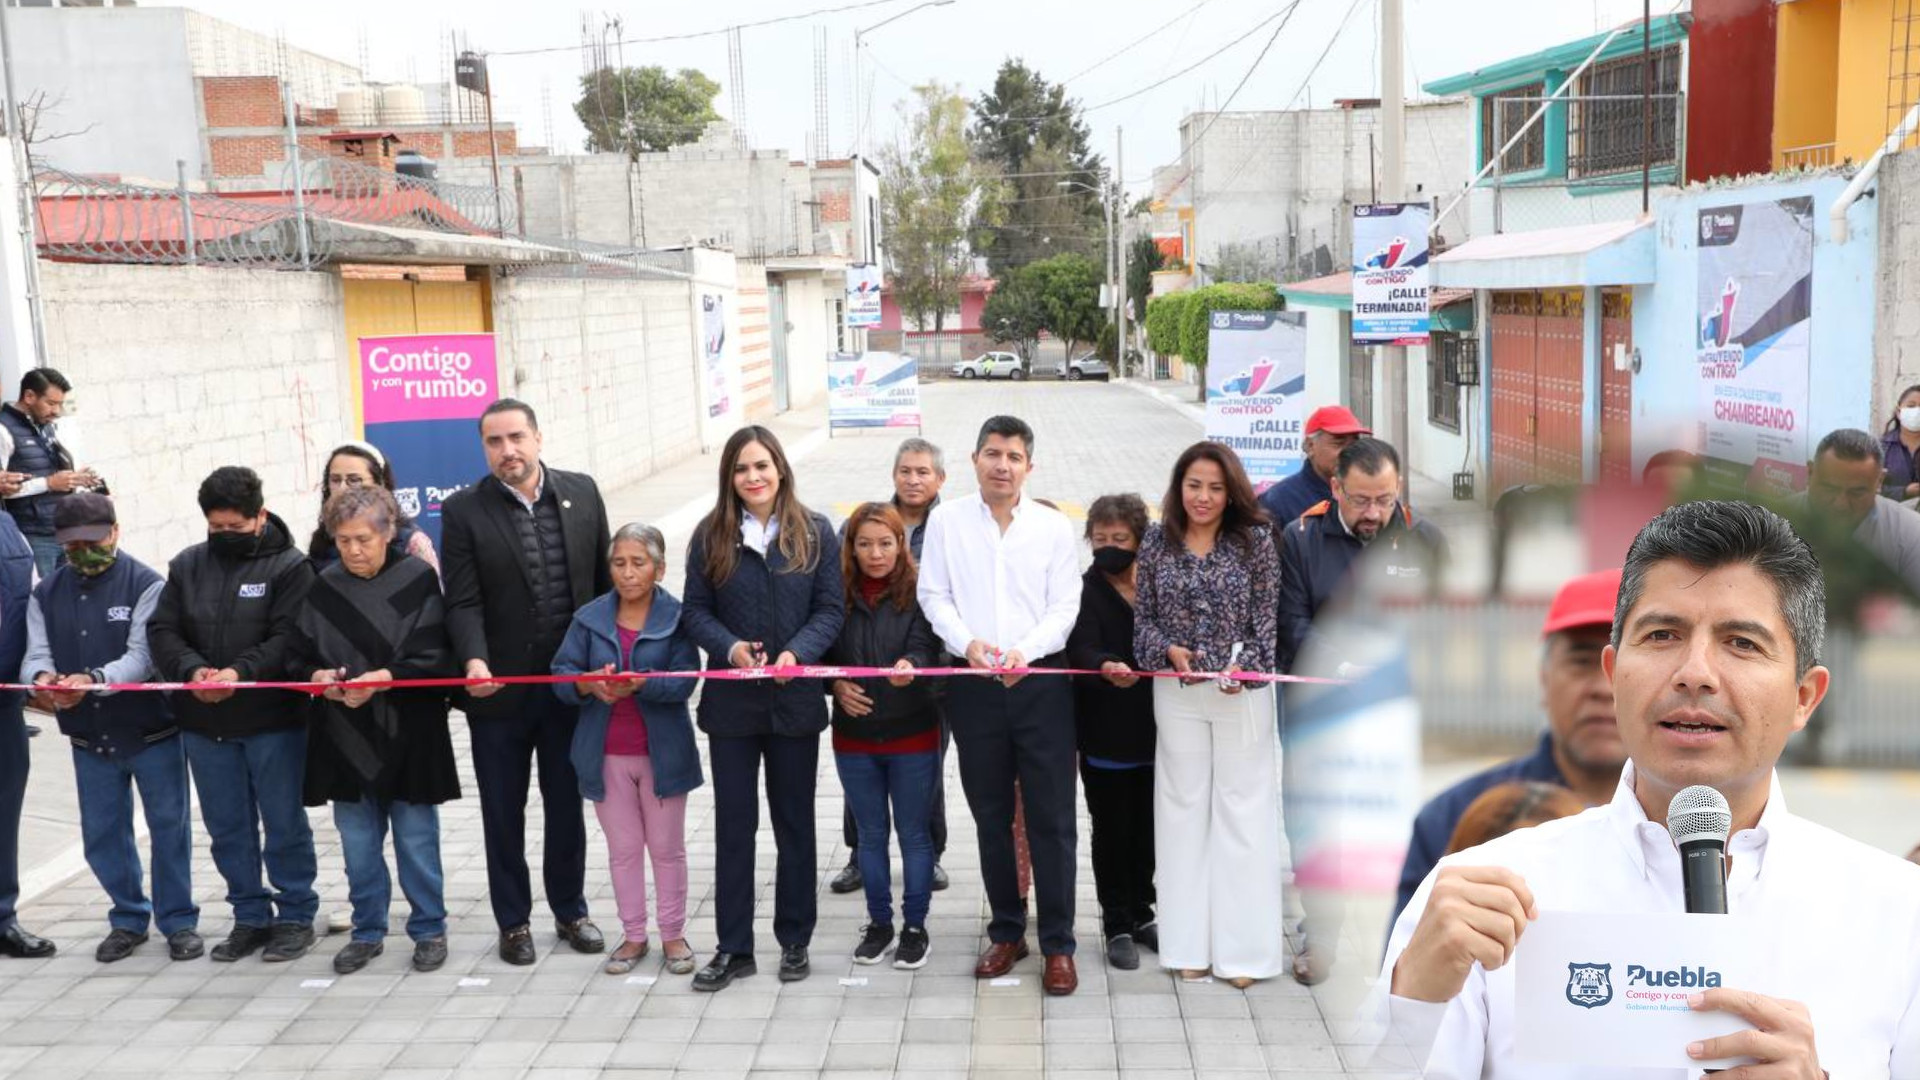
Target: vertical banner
x=713 y=354
x=1756 y=320
x=1256 y=374
x=420 y=398
x=863 y=295
x=872 y=390
x=1390 y=276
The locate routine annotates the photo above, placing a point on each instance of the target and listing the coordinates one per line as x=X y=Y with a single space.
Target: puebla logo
x=1387 y=258
x=1589 y=985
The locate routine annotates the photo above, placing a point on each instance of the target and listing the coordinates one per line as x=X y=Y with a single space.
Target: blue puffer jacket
x=593 y=642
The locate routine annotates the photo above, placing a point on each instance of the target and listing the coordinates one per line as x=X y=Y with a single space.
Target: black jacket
x=1112 y=723
x=786 y=612
x=491 y=608
x=1318 y=555
x=882 y=637
x=218 y=613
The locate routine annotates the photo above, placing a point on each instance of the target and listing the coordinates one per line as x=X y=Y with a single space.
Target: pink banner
x=426 y=377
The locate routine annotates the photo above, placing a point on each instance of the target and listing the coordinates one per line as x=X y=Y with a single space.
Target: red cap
x=1587 y=600
x=1336 y=420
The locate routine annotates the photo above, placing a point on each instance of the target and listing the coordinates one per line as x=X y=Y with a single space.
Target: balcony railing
x=1816 y=156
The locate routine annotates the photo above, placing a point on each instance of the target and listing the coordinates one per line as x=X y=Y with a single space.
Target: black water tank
x=414 y=163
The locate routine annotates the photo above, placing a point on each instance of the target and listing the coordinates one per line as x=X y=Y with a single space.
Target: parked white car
x=992 y=365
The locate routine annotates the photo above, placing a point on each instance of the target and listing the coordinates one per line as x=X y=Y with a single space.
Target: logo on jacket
x=121 y=613
x=254 y=591
x=1589 y=985
x=409 y=500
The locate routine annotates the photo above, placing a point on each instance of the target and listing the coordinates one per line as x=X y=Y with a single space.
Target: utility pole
x=1119 y=252
x=1113 y=251
x=23 y=345
x=1393 y=187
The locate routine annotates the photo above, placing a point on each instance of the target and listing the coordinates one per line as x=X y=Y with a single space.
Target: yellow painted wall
x=1862 y=118
x=1806 y=75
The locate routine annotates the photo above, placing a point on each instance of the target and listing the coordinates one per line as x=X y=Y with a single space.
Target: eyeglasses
x=1363 y=504
x=353 y=481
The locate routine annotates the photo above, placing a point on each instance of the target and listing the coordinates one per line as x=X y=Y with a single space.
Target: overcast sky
x=961 y=43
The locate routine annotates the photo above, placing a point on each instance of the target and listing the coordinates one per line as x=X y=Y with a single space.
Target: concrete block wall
x=180 y=370
x=1896 y=344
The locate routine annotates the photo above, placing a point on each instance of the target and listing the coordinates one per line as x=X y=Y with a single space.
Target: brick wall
x=474 y=143
x=836 y=206
x=241 y=101
x=756 y=343
x=250 y=155
x=179 y=370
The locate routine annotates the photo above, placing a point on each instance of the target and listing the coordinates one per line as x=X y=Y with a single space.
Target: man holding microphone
x=1714 y=663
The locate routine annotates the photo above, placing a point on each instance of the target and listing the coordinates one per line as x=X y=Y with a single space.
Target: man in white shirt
x=1714 y=664
x=1000 y=582
x=1843 y=487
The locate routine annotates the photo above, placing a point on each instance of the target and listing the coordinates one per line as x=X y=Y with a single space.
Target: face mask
x=92 y=561
x=232 y=545
x=1910 y=418
x=1112 y=560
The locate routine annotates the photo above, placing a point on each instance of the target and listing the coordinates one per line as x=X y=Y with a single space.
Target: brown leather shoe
x=1061 y=979
x=1000 y=958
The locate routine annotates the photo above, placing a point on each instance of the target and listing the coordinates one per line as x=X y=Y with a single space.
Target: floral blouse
x=1207 y=604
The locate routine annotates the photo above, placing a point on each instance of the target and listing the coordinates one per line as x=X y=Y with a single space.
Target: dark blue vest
x=35 y=455
x=88 y=623
x=16 y=585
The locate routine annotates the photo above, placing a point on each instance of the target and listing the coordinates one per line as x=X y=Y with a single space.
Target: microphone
x=1698 y=820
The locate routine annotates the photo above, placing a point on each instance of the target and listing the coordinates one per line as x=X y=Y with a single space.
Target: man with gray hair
x=1844 y=485
x=919 y=471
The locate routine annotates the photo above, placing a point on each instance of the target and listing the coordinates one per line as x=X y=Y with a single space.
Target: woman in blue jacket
x=763 y=585
x=633 y=748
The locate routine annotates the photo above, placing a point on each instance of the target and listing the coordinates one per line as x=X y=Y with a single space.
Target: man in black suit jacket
x=521 y=551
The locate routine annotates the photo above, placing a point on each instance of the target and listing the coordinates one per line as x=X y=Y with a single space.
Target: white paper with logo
x=1612 y=990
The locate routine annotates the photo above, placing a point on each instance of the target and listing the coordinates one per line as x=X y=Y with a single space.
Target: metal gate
x=777 y=338
x=1616 y=386
x=1538 y=344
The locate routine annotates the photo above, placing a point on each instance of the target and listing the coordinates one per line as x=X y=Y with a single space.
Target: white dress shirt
x=758 y=535
x=1018 y=590
x=1850 y=944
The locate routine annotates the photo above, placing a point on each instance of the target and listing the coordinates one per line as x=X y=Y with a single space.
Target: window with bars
x=1501 y=115
x=1606 y=127
x=1443 y=391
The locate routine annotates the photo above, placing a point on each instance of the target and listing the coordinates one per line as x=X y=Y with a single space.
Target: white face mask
x=1910 y=418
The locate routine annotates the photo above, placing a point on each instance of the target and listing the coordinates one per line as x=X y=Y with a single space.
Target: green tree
x=1196 y=320
x=634 y=110
x=1166 y=315
x=1143 y=259
x=1013 y=314
x=933 y=202
x=1028 y=129
x=1060 y=296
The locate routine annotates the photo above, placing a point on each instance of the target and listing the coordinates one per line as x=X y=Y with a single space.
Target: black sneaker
x=291 y=941
x=242 y=941
x=356 y=955
x=913 y=949
x=430 y=955
x=794 y=964
x=847 y=880
x=119 y=945
x=940 y=881
x=874 y=940
x=1122 y=954
x=186 y=945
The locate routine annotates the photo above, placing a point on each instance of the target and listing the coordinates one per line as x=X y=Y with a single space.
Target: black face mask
x=1112 y=560
x=232 y=545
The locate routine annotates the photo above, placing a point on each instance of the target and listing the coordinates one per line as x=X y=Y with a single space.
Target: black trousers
x=505 y=749
x=1024 y=733
x=1120 y=804
x=792 y=763
x=939 y=823
x=13 y=797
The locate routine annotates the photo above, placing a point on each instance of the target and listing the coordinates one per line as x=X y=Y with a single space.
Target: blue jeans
x=416 y=848
x=248 y=784
x=871 y=781
x=48 y=554
x=106 y=788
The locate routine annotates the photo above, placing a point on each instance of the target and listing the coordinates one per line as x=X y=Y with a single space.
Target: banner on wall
x=872 y=390
x=420 y=397
x=1390 y=275
x=713 y=354
x=1755 y=333
x=1256 y=376
x=863 y=295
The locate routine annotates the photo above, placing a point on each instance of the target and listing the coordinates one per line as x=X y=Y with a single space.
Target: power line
x=706 y=33
x=1124 y=49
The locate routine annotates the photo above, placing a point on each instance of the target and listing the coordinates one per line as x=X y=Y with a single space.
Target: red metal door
x=1559 y=371
x=1511 y=367
x=1616 y=387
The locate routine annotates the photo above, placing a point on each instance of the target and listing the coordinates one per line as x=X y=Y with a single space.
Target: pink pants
x=639 y=825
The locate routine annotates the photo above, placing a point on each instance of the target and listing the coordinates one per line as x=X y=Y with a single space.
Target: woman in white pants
x=1208 y=582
